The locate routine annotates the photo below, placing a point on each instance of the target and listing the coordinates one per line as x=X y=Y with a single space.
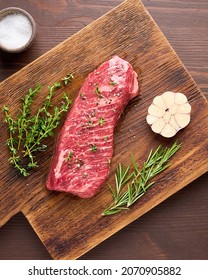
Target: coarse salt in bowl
x=17 y=30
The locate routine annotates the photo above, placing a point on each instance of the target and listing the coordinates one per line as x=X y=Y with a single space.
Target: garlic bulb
x=169 y=113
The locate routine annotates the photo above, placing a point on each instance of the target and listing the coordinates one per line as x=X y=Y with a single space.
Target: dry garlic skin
x=169 y=113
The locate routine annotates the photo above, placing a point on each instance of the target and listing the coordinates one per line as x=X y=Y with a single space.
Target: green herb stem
x=137 y=181
x=27 y=133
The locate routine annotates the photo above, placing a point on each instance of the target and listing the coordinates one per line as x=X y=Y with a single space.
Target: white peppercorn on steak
x=85 y=145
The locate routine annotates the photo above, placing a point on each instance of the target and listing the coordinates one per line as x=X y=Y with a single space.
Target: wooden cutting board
x=69 y=226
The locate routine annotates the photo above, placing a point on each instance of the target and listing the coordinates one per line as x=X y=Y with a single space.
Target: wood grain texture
x=177 y=79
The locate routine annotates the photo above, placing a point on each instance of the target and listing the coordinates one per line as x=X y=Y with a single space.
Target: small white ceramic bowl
x=16 y=11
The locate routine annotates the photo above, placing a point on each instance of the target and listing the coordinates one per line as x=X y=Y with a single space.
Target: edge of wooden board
x=89 y=26
x=160 y=196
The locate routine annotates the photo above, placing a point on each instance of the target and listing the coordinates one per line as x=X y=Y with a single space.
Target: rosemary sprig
x=138 y=181
x=28 y=131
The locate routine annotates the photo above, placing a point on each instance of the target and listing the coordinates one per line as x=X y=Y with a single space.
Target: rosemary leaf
x=137 y=183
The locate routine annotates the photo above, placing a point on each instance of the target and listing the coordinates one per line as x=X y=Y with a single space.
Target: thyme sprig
x=138 y=181
x=27 y=132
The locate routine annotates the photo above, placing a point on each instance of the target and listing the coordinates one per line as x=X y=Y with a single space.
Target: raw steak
x=85 y=145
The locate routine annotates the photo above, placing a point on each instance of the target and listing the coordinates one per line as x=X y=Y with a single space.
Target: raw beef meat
x=85 y=145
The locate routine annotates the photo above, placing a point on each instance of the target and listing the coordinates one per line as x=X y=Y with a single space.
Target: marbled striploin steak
x=81 y=162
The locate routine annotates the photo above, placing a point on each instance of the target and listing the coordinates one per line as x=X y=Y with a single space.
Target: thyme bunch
x=27 y=131
x=138 y=181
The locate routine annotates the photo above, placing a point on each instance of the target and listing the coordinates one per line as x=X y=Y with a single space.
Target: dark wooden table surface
x=177 y=228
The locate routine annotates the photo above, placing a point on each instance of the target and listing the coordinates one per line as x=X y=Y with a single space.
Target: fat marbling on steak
x=81 y=162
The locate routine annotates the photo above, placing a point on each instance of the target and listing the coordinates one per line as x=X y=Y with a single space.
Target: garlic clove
x=155 y=111
x=168 y=131
x=184 y=108
x=169 y=98
x=173 y=123
x=151 y=119
x=167 y=117
x=158 y=101
x=173 y=109
x=182 y=119
x=169 y=113
x=180 y=98
x=158 y=125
